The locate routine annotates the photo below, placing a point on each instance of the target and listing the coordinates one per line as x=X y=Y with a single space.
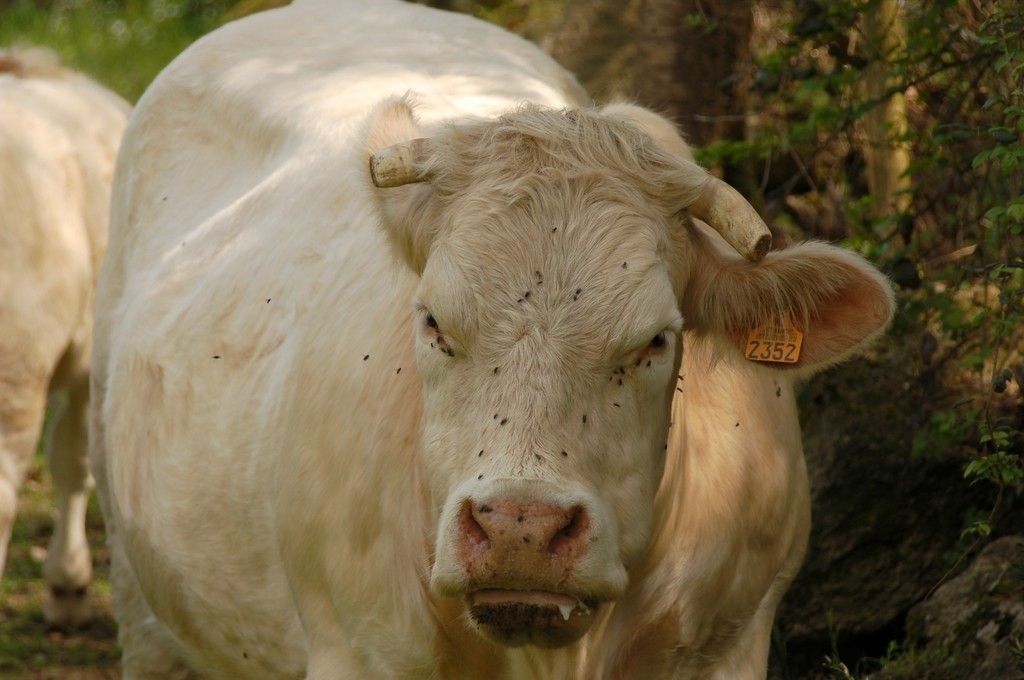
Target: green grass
x=121 y=43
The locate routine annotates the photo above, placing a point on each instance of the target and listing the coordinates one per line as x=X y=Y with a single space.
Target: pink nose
x=512 y=544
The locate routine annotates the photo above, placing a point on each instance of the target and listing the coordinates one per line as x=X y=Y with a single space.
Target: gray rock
x=979 y=615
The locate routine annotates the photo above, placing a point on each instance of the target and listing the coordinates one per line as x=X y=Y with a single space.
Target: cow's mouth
x=530 y=617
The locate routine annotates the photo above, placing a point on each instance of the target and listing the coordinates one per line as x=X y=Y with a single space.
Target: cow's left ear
x=660 y=129
x=396 y=155
x=835 y=299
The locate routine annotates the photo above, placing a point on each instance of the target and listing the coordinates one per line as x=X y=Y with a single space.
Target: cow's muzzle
x=521 y=558
x=525 y=617
x=530 y=560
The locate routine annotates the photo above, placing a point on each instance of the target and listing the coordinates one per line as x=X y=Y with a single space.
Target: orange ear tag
x=775 y=341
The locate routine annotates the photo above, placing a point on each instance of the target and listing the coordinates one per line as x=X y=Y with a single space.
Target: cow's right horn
x=728 y=213
x=400 y=164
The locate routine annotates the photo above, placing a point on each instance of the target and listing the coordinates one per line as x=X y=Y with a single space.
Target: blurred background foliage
x=893 y=128
x=122 y=43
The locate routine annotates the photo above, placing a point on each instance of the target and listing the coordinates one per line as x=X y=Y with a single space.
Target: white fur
x=59 y=134
x=281 y=498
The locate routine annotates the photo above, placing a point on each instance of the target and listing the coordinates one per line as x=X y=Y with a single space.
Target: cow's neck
x=730 y=472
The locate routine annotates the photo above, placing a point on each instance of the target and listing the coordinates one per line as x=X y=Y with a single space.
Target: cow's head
x=559 y=263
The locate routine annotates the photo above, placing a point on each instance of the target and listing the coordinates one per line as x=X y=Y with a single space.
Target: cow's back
x=59 y=134
x=251 y=300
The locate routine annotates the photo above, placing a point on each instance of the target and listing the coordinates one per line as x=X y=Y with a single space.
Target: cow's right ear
x=405 y=202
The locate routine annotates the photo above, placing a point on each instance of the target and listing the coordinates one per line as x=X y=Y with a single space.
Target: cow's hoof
x=67 y=606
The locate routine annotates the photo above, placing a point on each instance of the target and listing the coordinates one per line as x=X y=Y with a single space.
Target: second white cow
x=411 y=364
x=59 y=134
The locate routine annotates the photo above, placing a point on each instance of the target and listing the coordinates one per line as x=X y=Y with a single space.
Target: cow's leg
x=68 y=567
x=22 y=407
x=148 y=650
x=748 y=657
x=325 y=664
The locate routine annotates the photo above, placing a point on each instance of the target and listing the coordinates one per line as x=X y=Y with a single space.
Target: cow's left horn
x=400 y=164
x=728 y=213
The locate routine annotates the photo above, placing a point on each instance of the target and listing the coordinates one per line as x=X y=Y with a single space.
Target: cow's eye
x=437 y=338
x=658 y=341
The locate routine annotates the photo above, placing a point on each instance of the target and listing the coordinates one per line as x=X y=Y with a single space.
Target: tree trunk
x=679 y=57
x=596 y=40
x=692 y=71
x=886 y=152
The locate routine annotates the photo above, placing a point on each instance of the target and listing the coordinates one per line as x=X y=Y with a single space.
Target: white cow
x=59 y=133
x=418 y=429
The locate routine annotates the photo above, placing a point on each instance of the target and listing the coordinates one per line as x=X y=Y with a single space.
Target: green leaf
x=1003 y=135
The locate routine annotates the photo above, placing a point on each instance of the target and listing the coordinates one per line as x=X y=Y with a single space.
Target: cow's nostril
x=566 y=539
x=472 y=529
x=501 y=530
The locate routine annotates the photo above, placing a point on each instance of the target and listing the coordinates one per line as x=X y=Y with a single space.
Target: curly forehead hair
x=533 y=141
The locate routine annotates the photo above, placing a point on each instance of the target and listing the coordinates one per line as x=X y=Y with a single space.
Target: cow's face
x=548 y=344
